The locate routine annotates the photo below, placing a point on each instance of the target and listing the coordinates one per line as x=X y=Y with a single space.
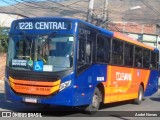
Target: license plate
x=30 y=100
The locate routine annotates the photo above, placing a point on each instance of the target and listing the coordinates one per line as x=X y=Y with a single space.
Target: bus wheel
x=94 y=106
x=140 y=96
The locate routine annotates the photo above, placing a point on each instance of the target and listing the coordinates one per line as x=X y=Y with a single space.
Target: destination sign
x=40 y=25
x=21 y=63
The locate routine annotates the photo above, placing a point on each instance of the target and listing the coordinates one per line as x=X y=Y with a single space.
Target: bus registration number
x=30 y=100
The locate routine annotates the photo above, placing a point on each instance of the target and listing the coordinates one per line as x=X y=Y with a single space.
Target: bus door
x=84 y=71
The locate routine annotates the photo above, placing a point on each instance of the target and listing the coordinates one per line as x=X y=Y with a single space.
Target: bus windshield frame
x=43 y=52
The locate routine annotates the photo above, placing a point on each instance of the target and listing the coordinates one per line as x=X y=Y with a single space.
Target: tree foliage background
x=3 y=39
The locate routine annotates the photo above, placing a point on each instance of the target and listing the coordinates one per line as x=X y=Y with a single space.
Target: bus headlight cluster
x=65 y=85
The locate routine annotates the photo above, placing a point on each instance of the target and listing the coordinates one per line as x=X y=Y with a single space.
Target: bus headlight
x=65 y=85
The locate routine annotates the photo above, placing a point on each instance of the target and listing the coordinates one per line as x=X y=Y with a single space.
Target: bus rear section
x=129 y=83
x=117 y=69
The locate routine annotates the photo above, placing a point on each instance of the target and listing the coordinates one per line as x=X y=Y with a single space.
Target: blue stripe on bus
x=152 y=85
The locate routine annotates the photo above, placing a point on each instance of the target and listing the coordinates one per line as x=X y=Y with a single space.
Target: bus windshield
x=40 y=52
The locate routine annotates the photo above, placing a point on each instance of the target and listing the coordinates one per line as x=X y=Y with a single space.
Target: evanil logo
x=123 y=76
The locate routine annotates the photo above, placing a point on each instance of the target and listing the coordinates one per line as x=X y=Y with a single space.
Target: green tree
x=3 y=39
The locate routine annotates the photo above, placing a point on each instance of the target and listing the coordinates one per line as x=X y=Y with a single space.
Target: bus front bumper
x=62 y=98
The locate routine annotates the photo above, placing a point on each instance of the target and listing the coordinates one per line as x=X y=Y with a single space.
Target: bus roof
x=123 y=37
x=131 y=40
x=104 y=31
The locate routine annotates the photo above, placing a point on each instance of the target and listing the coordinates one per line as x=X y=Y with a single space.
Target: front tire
x=96 y=99
x=140 y=96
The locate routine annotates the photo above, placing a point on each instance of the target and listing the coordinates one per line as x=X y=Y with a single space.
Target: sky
x=2 y=3
x=5 y=2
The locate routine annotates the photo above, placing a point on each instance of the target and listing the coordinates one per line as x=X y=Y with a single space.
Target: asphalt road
x=115 y=111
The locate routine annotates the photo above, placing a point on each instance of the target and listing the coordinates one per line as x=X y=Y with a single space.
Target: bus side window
x=146 y=58
x=138 y=57
x=153 y=60
x=128 y=54
x=100 y=49
x=103 y=49
x=84 y=51
x=158 y=61
x=117 y=52
x=107 y=50
x=81 y=50
x=88 y=49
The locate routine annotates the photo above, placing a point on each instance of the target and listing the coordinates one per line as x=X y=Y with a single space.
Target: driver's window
x=84 y=51
x=81 y=50
x=88 y=48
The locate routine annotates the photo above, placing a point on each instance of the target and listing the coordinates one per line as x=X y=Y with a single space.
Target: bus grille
x=34 y=78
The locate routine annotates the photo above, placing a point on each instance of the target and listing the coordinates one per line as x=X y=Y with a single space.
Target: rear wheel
x=96 y=99
x=140 y=96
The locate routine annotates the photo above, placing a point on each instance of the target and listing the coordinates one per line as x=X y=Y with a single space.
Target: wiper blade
x=52 y=35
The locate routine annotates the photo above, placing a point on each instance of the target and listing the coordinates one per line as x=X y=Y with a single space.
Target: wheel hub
x=95 y=101
x=140 y=96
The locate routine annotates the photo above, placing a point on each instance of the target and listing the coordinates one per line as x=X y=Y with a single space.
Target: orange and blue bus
x=69 y=62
